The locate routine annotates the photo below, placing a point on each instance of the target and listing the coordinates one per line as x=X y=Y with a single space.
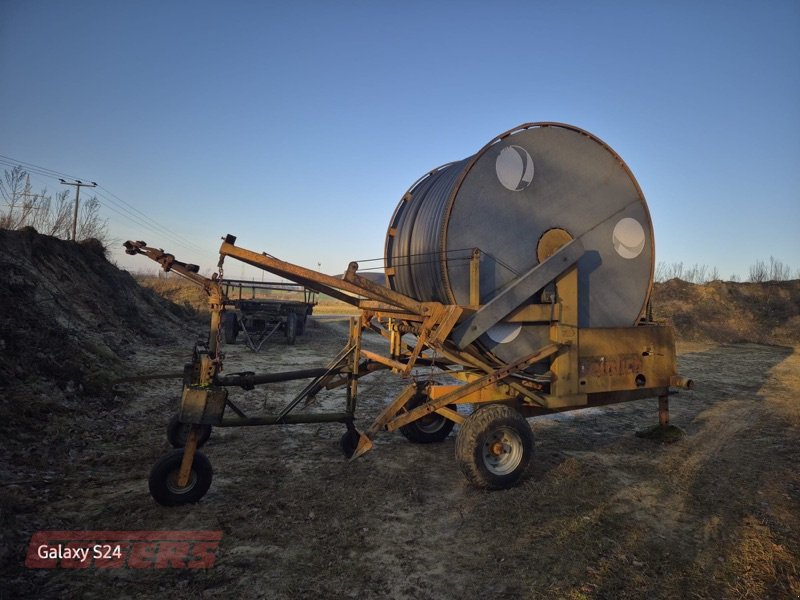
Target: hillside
x=70 y=316
x=728 y=312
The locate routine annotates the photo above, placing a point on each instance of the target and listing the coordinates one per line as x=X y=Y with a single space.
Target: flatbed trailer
x=259 y=309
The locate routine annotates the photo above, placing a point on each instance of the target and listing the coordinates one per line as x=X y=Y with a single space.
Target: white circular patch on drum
x=514 y=167
x=628 y=238
x=502 y=333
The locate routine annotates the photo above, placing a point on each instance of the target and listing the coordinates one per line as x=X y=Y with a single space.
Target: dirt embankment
x=69 y=316
x=727 y=312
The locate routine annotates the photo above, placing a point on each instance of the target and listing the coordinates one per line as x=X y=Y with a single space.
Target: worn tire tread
x=468 y=442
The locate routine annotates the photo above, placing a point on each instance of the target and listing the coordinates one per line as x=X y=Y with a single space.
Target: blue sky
x=298 y=126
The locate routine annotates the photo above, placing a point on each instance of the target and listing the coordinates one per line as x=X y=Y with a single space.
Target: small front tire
x=164 y=474
x=494 y=447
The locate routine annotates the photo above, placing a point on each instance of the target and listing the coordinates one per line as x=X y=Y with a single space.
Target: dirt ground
x=604 y=514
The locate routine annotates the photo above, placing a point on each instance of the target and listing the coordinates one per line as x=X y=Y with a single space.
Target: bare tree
x=778 y=271
x=20 y=204
x=758 y=272
x=21 y=207
x=661 y=272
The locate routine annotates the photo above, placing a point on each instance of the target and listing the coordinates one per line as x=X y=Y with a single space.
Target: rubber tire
x=349 y=442
x=301 y=323
x=167 y=467
x=178 y=432
x=416 y=431
x=291 y=328
x=476 y=430
x=230 y=328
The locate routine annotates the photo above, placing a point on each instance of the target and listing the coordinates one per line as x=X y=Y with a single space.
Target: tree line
x=759 y=272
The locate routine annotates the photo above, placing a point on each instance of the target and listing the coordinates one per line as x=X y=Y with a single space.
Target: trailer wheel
x=178 y=432
x=291 y=328
x=301 y=323
x=164 y=474
x=230 y=327
x=429 y=429
x=349 y=442
x=494 y=447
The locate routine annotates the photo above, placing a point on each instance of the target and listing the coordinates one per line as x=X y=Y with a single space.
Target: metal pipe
x=681 y=382
x=247 y=380
x=290 y=419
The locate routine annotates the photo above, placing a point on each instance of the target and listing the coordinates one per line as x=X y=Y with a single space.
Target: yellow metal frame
x=584 y=366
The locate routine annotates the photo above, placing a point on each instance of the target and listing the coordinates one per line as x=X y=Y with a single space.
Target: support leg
x=663 y=411
x=188 y=457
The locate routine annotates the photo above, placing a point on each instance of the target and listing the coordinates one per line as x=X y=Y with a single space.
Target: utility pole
x=78 y=185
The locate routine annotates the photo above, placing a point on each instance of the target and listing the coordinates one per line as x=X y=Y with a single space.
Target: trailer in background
x=258 y=309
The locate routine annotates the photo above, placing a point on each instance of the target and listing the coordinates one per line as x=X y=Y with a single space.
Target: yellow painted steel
x=626 y=358
x=580 y=362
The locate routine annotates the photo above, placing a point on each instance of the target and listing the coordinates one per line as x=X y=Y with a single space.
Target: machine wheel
x=494 y=447
x=430 y=428
x=230 y=327
x=301 y=323
x=349 y=442
x=164 y=474
x=178 y=432
x=291 y=328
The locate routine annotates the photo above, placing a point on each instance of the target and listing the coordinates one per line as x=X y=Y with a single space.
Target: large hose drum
x=523 y=195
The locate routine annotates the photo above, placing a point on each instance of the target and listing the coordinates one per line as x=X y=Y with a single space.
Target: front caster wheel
x=164 y=479
x=178 y=433
x=429 y=429
x=494 y=447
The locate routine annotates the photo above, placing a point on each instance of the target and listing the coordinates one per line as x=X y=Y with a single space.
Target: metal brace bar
x=469 y=388
x=518 y=292
x=390 y=411
x=314 y=386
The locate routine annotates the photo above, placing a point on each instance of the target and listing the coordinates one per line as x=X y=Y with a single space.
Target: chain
x=218 y=356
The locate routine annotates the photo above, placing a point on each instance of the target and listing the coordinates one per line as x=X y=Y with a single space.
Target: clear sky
x=297 y=126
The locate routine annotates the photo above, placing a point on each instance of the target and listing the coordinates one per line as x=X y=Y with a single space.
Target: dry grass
x=177 y=290
x=331 y=306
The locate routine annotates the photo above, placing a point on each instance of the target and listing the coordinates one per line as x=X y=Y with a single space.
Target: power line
x=78 y=185
x=177 y=236
x=110 y=205
x=111 y=201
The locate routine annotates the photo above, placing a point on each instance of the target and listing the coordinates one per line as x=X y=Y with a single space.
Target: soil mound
x=728 y=312
x=69 y=316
